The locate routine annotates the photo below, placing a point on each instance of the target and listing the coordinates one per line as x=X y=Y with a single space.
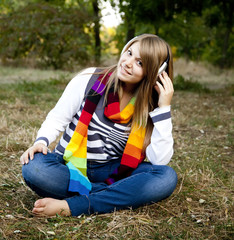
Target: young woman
x=117 y=137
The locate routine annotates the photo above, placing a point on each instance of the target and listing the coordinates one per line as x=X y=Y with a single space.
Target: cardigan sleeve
x=160 y=150
x=65 y=109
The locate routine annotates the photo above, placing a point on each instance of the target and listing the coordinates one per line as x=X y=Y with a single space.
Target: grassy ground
x=200 y=208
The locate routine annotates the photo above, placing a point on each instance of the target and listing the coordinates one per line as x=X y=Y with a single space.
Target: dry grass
x=209 y=75
x=12 y=75
x=200 y=208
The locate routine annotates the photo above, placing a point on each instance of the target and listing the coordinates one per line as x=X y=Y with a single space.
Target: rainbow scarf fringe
x=75 y=154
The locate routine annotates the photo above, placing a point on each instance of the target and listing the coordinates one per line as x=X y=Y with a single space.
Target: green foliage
x=64 y=33
x=219 y=18
x=187 y=33
x=51 y=35
x=7 y=6
x=187 y=85
x=200 y=30
x=46 y=91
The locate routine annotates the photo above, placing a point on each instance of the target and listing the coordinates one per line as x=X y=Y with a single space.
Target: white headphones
x=163 y=66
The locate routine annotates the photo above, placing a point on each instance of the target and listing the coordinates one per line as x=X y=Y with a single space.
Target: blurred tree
x=50 y=33
x=7 y=6
x=57 y=32
x=187 y=33
x=195 y=27
x=213 y=21
x=138 y=12
x=218 y=15
x=96 y=11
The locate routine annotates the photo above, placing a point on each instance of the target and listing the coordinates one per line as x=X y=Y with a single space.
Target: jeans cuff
x=78 y=205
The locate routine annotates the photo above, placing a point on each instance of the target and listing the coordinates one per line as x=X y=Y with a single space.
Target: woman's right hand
x=29 y=153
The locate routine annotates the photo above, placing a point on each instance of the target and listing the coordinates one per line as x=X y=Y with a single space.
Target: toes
x=38 y=210
x=51 y=207
x=42 y=202
x=39 y=203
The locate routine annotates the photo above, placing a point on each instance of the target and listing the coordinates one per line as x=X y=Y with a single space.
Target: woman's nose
x=129 y=62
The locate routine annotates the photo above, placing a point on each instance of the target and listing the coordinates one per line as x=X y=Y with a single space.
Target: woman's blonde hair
x=153 y=52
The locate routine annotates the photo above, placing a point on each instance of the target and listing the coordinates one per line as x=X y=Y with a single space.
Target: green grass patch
x=180 y=83
x=31 y=91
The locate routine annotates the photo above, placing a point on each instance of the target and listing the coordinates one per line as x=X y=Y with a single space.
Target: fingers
x=166 y=82
x=165 y=90
x=24 y=158
x=29 y=153
x=165 y=85
x=44 y=150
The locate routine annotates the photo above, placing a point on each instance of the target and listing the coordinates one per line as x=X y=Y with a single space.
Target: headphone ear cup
x=165 y=64
x=162 y=68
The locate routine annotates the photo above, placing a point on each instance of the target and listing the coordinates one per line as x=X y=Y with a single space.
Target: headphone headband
x=130 y=41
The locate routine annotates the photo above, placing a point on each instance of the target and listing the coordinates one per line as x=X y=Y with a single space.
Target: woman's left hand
x=165 y=90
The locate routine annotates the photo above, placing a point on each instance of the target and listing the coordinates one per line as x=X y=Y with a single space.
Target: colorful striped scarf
x=75 y=154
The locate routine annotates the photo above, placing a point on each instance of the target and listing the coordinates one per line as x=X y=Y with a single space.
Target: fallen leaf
x=201 y=200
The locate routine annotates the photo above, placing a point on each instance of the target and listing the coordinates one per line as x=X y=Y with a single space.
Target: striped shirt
x=106 y=139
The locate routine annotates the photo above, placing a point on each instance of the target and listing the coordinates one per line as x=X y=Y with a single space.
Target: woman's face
x=129 y=69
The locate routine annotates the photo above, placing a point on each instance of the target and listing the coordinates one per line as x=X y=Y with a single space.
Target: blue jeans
x=49 y=177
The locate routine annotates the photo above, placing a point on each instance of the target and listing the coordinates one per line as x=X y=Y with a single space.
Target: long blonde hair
x=153 y=52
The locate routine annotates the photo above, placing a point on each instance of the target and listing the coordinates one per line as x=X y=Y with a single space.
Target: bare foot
x=51 y=207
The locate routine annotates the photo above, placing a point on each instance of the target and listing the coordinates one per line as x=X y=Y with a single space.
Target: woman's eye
x=139 y=62
x=129 y=52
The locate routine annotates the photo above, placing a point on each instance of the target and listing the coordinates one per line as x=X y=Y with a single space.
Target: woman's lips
x=124 y=70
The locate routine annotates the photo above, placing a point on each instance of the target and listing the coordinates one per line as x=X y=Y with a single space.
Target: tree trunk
x=225 y=61
x=97 y=50
x=228 y=13
x=130 y=32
